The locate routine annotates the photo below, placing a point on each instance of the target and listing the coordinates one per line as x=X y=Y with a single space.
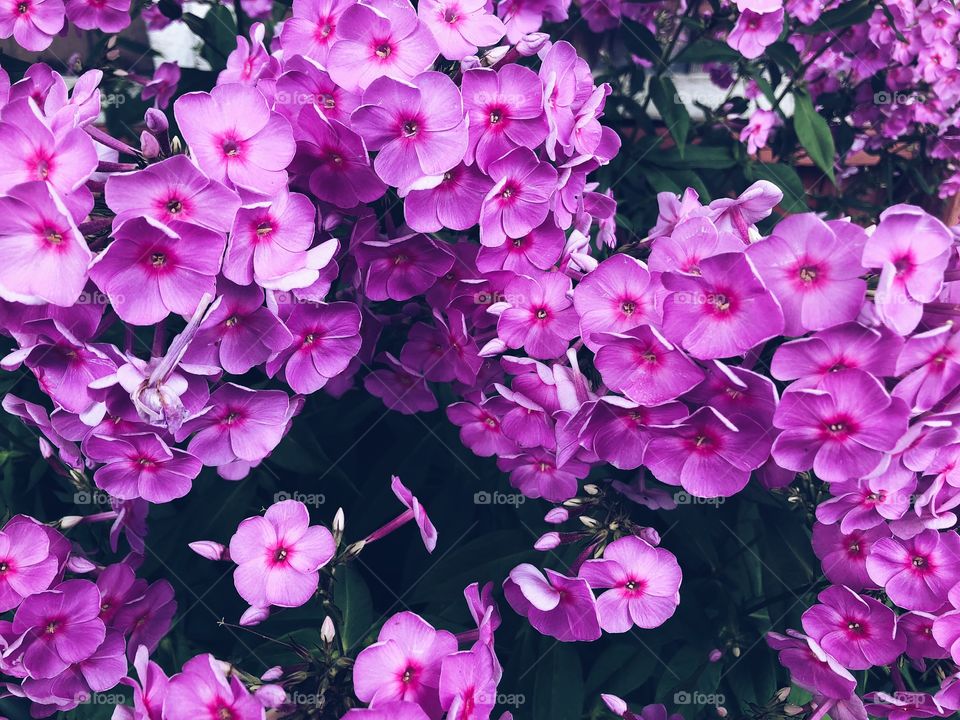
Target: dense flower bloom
x=644 y=584
x=460 y=26
x=278 y=556
x=34 y=26
x=312 y=30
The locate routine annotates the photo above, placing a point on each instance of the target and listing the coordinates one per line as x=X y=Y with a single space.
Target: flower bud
x=532 y=43
x=210 y=550
x=547 y=541
x=715 y=655
x=470 y=62
x=650 y=535
x=327 y=630
x=589 y=522
x=149 y=147
x=156 y=121
x=337 y=526
x=556 y=516
x=591 y=489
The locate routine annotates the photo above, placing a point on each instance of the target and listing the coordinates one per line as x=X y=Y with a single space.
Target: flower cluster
x=74 y=623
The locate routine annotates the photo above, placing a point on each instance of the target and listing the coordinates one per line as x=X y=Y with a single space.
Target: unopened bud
x=792 y=710
x=721 y=711
x=573 y=503
x=591 y=489
x=149 y=147
x=495 y=55
x=650 y=535
x=470 y=62
x=715 y=655
x=556 y=516
x=532 y=43
x=70 y=521
x=337 y=526
x=327 y=630
x=735 y=651
x=354 y=549
x=156 y=121
x=782 y=694
x=176 y=146
x=547 y=541
x=589 y=522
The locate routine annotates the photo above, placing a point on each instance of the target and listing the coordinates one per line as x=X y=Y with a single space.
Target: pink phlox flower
x=404 y=664
x=380 y=38
x=644 y=584
x=278 y=556
x=556 y=605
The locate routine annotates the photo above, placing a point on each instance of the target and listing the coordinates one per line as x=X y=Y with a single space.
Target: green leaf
x=352 y=596
x=558 y=685
x=707 y=50
x=847 y=15
x=672 y=110
x=640 y=41
x=785 y=178
x=814 y=134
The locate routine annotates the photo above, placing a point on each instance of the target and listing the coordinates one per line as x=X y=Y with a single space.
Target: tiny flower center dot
x=4 y=567
x=280 y=555
x=22 y=8
x=919 y=562
x=54 y=237
x=264 y=228
x=231 y=321
x=410 y=128
x=158 y=260
x=51 y=627
x=174 y=206
x=808 y=274
x=629 y=307
x=496 y=116
x=230 y=148
x=383 y=51
x=541 y=314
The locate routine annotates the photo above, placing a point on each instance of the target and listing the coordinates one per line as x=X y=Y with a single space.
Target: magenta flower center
x=53 y=236
x=410 y=128
x=174 y=206
x=382 y=49
x=23 y=8
x=628 y=307
x=856 y=628
x=280 y=556
x=158 y=259
x=496 y=115
x=839 y=427
x=541 y=313
x=231 y=147
x=4 y=566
